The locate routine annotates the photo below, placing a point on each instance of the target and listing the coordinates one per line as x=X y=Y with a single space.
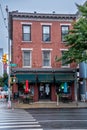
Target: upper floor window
x=64 y=64
x=64 y=32
x=46 y=33
x=46 y=58
x=26 y=58
x=26 y=32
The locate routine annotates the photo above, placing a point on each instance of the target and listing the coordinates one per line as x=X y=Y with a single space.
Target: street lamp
x=9 y=96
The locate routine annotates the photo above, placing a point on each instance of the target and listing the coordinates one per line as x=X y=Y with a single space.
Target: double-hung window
x=46 y=58
x=46 y=33
x=26 y=32
x=26 y=58
x=64 y=32
x=64 y=64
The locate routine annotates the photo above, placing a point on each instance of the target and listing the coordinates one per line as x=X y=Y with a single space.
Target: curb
x=48 y=105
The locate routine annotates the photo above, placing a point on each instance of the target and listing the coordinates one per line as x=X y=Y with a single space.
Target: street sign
x=13 y=65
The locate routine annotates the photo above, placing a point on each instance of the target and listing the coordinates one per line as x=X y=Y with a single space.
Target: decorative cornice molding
x=21 y=15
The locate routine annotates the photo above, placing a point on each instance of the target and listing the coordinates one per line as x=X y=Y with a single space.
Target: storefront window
x=64 y=87
x=47 y=89
x=44 y=91
x=32 y=90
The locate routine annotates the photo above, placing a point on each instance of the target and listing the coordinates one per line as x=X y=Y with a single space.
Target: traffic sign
x=13 y=65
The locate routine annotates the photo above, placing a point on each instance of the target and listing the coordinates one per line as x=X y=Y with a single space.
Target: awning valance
x=24 y=77
x=64 y=77
x=45 y=77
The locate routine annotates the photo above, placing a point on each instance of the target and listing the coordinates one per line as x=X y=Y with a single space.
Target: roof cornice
x=22 y=15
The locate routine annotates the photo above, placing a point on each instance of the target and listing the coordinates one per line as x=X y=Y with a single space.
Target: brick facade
x=36 y=44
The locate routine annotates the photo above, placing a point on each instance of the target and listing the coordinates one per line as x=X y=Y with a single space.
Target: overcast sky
x=40 y=6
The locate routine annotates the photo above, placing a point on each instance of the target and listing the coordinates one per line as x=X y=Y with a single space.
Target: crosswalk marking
x=63 y=129
x=13 y=123
x=20 y=126
x=18 y=120
x=31 y=129
x=5 y=120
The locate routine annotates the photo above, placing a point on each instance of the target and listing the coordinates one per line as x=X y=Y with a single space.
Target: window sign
x=65 y=87
x=41 y=88
x=32 y=89
x=47 y=89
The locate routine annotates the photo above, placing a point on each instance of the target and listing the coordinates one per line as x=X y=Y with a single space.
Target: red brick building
x=36 y=41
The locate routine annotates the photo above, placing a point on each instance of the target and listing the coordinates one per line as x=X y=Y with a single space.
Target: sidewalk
x=50 y=104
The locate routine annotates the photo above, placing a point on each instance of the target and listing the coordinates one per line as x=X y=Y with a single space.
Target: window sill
x=46 y=67
x=26 y=66
x=65 y=66
x=27 y=41
x=62 y=42
x=46 y=42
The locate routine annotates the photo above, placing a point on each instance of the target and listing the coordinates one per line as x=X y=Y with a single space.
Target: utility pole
x=9 y=93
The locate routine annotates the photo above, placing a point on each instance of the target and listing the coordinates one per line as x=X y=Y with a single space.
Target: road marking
x=33 y=129
x=61 y=129
x=20 y=126
x=11 y=123
x=61 y=120
x=62 y=114
x=12 y=120
x=18 y=119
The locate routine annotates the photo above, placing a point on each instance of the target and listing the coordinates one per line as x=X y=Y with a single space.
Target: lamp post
x=9 y=96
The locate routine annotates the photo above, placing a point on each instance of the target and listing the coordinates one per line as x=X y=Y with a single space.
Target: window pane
x=46 y=29
x=26 y=37
x=46 y=37
x=26 y=29
x=26 y=58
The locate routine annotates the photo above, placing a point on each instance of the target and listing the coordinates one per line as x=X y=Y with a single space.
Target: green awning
x=45 y=78
x=24 y=77
x=64 y=77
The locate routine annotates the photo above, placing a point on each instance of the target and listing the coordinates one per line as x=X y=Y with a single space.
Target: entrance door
x=44 y=91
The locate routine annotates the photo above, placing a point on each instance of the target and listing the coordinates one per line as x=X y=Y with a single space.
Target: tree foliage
x=76 y=40
x=2 y=79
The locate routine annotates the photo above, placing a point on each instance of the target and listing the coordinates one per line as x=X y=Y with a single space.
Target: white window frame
x=64 y=24
x=26 y=25
x=64 y=34
x=64 y=66
x=28 y=50
x=46 y=50
x=49 y=26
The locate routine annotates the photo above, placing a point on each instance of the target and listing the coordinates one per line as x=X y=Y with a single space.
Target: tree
x=76 y=40
x=1 y=82
x=5 y=76
x=2 y=79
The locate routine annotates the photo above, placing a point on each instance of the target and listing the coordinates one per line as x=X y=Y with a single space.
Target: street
x=60 y=118
x=42 y=118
